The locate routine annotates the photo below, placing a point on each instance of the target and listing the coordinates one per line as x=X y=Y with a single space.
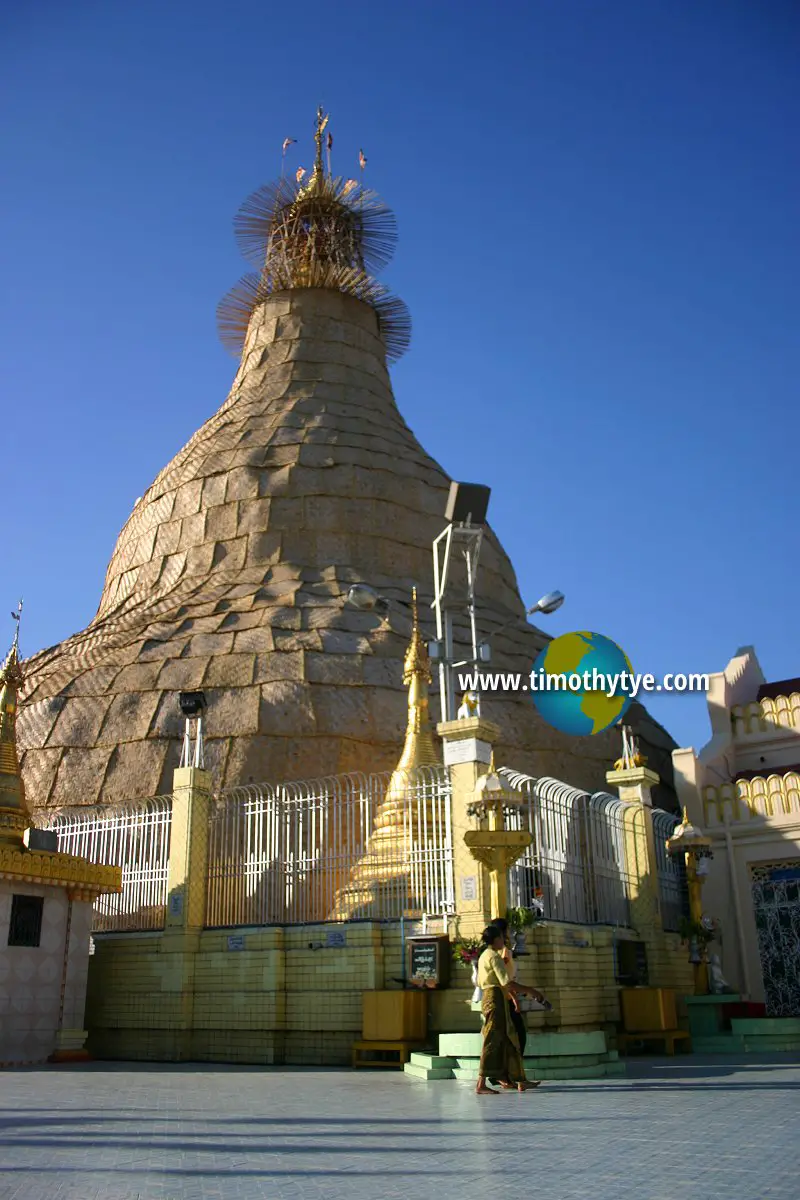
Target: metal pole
x=449 y=707
x=468 y=556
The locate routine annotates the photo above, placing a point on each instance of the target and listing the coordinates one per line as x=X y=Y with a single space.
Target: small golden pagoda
x=46 y=901
x=14 y=815
x=406 y=810
x=85 y=880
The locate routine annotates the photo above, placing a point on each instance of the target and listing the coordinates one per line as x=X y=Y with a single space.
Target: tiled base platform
x=754 y=1035
x=547 y=1056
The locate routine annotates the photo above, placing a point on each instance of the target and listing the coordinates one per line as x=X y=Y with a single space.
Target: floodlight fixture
x=193 y=704
x=467 y=504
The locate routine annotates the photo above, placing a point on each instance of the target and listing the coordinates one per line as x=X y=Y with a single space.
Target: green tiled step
x=784 y=1027
x=721 y=1043
x=540 y=1045
x=616 y=1068
x=754 y=1045
x=431 y=1061
x=427 y=1073
x=429 y=1066
x=601 y=1071
x=534 y=1064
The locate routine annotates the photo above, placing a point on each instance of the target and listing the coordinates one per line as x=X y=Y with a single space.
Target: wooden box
x=400 y=1016
x=646 y=1010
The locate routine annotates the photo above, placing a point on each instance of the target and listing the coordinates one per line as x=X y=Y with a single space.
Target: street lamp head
x=365 y=598
x=548 y=603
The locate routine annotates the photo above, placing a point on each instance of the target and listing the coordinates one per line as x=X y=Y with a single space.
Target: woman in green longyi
x=500 y=1057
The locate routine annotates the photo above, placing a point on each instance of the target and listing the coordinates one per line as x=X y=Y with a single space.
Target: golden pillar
x=496 y=847
x=481 y=857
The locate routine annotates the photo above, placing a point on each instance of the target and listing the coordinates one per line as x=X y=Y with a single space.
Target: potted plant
x=521 y=919
x=466 y=952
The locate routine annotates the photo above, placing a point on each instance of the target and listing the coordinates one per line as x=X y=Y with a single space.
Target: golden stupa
x=231 y=571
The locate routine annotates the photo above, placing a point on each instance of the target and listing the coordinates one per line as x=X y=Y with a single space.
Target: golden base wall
x=286 y=995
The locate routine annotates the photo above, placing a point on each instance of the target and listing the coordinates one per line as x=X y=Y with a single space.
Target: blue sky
x=597 y=205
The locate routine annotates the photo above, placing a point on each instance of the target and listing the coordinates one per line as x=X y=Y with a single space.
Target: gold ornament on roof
x=14 y=815
x=328 y=232
x=631 y=756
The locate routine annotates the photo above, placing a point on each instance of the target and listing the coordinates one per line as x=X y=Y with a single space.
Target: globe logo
x=571 y=680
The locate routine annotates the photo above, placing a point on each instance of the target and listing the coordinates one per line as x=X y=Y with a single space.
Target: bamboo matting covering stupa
x=231 y=573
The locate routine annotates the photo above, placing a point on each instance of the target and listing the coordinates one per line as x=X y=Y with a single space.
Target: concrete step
x=540 y=1045
x=532 y=1065
x=427 y=1073
x=785 y=1027
x=554 y=1072
x=722 y=1043
x=768 y=1045
x=432 y=1061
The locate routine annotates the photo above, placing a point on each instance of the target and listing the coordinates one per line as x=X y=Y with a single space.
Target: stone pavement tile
x=200 y=1132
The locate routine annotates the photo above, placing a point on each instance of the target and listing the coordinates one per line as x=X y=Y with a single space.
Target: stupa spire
x=330 y=233
x=418 y=749
x=319 y=171
x=398 y=817
x=13 y=808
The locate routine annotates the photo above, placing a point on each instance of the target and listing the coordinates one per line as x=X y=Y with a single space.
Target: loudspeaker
x=467 y=502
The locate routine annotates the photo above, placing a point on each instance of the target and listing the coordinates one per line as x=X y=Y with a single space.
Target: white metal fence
x=342 y=848
x=134 y=837
x=575 y=866
x=672 y=890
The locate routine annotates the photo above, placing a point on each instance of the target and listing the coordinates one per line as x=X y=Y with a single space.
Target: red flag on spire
x=362 y=162
x=299 y=173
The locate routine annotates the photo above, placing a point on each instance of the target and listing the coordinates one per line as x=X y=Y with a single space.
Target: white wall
x=30 y=977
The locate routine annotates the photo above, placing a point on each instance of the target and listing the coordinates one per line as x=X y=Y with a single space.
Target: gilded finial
x=322 y=124
x=13 y=809
x=17 y=616
x=416 y=660
x=419 y=749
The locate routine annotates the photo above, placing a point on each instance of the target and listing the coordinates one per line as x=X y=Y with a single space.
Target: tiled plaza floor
x=675 y=1129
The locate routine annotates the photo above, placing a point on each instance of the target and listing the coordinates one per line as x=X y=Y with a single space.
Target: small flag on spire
x=362 y=162
x=329 y=142
x=300 y=173
x=287 y=142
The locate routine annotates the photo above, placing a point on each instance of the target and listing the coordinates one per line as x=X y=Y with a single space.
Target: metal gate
x=776 y=903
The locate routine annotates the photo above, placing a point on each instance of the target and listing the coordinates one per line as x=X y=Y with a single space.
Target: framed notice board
x=428 y=961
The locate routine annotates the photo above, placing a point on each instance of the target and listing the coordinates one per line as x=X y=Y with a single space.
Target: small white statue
x=470 y=706
x=718 y=985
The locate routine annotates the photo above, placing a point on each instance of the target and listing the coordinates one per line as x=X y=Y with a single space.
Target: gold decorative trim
x=86 y=880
